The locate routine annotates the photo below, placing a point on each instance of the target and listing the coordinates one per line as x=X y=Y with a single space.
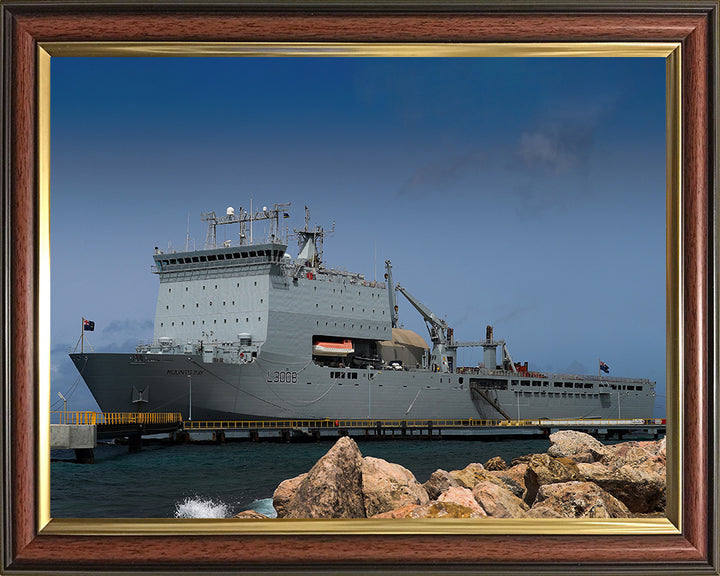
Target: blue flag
x=88 y=325
x=604 y=367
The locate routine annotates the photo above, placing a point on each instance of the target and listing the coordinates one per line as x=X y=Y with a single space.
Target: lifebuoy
x=309 y=275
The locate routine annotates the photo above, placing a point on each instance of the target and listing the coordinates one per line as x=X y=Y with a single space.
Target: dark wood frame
x=27 y=24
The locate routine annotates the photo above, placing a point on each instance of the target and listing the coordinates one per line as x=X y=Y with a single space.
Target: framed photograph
x=682 y=36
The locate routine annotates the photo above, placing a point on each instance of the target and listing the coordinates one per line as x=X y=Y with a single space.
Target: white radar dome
x=230 y=211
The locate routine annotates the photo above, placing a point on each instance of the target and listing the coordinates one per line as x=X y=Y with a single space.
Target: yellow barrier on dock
x=461 y=423
x=120 y=418
x=117 y=418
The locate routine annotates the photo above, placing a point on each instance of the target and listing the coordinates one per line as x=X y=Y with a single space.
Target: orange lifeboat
x=333 y=348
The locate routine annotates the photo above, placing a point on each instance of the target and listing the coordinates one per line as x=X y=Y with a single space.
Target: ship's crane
x=489 y=346
x=442 y=359
x=391 y=294
x=436 y=326
x=445 y=347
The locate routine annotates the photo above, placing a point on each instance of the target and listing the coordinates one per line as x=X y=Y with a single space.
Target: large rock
x=576 y=445
x=439 y=482
x=333 y=487
x=513 y=478
x=245 y=514
x=498 y=502
x=386 y=486
x=434 y=510
x=640 y=486
x=576 y=500
x=633 y=472
x=285 y=492
x=461 y=496
x=496 y=464
x=471 y=475
x=544 y=469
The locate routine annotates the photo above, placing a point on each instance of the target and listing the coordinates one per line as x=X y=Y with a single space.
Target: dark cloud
x=440 y=176
x=563 y=140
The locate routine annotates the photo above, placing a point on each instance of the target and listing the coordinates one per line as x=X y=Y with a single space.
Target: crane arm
x=438 y=325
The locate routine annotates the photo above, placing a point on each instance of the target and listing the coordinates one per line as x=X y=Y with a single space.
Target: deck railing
x=115 y=418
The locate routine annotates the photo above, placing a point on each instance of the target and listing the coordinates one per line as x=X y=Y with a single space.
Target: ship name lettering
x=284 y=376
x=185 y=372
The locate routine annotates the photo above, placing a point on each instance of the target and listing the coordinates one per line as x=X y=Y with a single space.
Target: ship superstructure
x=244 y=330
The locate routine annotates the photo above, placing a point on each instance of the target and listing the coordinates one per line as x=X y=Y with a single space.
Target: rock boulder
x=544 y=469
x=576 y=446
x=496 y=464
x=433 y=510
x=284 y=493
x=439 y=481
x=498 y=502
x=576 y=500
x=386 y=486
x=333 y=486
x=461 y=496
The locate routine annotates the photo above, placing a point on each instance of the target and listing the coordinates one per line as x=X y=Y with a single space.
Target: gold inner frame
x=671 y=524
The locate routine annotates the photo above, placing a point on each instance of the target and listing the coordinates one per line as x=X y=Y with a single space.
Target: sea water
x=219 y=481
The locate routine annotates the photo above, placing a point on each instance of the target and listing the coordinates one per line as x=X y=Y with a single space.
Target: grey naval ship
x=244 y=331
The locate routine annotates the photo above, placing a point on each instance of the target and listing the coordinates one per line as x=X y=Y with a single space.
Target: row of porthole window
x=197 y=305
x=216 y=287
x=563 y=394
x=342 y=308
x=335 y=325
x=581 y=385
x=237 y=321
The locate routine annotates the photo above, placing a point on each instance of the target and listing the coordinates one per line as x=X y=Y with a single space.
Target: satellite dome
x=230 y=211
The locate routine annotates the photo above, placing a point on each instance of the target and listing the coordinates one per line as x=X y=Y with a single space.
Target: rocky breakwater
x=577 y=477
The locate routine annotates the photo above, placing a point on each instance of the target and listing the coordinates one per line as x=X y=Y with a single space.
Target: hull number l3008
x=290 y=377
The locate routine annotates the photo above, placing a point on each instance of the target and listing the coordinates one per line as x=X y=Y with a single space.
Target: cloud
x=563 y=139
x=438 y=177
x=538 y=148
x=124 y=335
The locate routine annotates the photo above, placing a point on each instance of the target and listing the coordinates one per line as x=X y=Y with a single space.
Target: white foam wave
x=196 y=507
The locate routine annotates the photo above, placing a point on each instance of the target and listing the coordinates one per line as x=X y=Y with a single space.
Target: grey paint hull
x=271 y=389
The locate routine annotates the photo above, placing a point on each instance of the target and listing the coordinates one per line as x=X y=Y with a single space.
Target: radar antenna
x=242 y=217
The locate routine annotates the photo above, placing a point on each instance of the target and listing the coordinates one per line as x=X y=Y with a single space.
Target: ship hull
x=273 y=387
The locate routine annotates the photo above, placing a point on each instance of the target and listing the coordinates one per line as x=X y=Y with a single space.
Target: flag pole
x=82 y=335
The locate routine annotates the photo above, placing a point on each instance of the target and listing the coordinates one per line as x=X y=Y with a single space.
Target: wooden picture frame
x=687 y=543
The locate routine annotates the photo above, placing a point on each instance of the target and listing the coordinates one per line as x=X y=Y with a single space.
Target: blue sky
x=524 y=193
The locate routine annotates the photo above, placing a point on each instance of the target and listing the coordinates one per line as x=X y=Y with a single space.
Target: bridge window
x=588 y=385
x=203 y=259
x=211 y=258
x=568 y=384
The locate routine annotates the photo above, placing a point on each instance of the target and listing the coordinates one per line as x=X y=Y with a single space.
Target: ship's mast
x=242 y=218
x=310 y=242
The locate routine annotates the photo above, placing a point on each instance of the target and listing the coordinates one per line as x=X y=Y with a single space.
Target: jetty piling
x=82 y=430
